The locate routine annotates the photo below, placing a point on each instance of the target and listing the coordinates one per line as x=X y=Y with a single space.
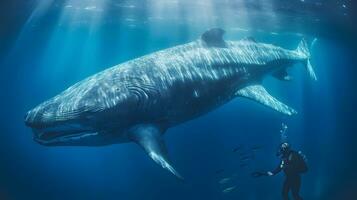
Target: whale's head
x=54 y=124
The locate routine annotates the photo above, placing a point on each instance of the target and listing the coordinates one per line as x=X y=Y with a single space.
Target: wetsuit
x=293 y=180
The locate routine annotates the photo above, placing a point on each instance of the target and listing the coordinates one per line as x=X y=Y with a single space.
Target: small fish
x=243 y=154
x=237 y=149
x=255 y=148
x=235 y=174
x=245 y=158
x=229 y=189
x=224 y=180
x=243 y=165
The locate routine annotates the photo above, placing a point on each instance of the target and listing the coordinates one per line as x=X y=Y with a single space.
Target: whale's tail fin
x=303 y=49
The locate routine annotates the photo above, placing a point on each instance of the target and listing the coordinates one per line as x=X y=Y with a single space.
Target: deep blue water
x=47 y=47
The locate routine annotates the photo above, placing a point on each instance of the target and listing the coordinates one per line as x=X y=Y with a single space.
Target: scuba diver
x=293 y=164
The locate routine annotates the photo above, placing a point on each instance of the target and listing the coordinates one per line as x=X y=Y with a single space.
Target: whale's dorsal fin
x=214 y=37
x=259 y=94
x=149 y=137
x=249 y=39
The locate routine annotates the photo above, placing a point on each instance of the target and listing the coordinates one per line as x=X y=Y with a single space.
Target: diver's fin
x=303 y=49
x=214 y=37
x=282 y=75
x=249 y=39
x=149 y=137
x=259 y=94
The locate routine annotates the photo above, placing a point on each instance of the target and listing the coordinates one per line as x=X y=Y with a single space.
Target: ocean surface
x=48 y=45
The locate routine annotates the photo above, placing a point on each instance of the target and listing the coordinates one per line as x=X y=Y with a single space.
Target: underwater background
x=47 y=46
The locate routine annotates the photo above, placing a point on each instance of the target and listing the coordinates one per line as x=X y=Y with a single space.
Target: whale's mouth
x=55 y=135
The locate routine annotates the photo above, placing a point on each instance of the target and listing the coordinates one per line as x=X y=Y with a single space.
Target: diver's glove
x=259 y=174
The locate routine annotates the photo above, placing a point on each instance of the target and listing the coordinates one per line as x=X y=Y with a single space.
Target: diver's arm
x=269 y=173
x=276 y=170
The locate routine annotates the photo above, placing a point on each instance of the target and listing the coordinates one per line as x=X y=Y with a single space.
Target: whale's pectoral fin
x=259 y=94
x=214 y=38
x=149 y=137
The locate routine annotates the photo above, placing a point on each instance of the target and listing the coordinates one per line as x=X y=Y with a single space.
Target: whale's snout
x=31 y=119
x=36 y=121
x=26 y=119
x=52 y=125
x=39 y=117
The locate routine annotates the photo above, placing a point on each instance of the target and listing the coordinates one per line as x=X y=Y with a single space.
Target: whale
x=139 y=100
